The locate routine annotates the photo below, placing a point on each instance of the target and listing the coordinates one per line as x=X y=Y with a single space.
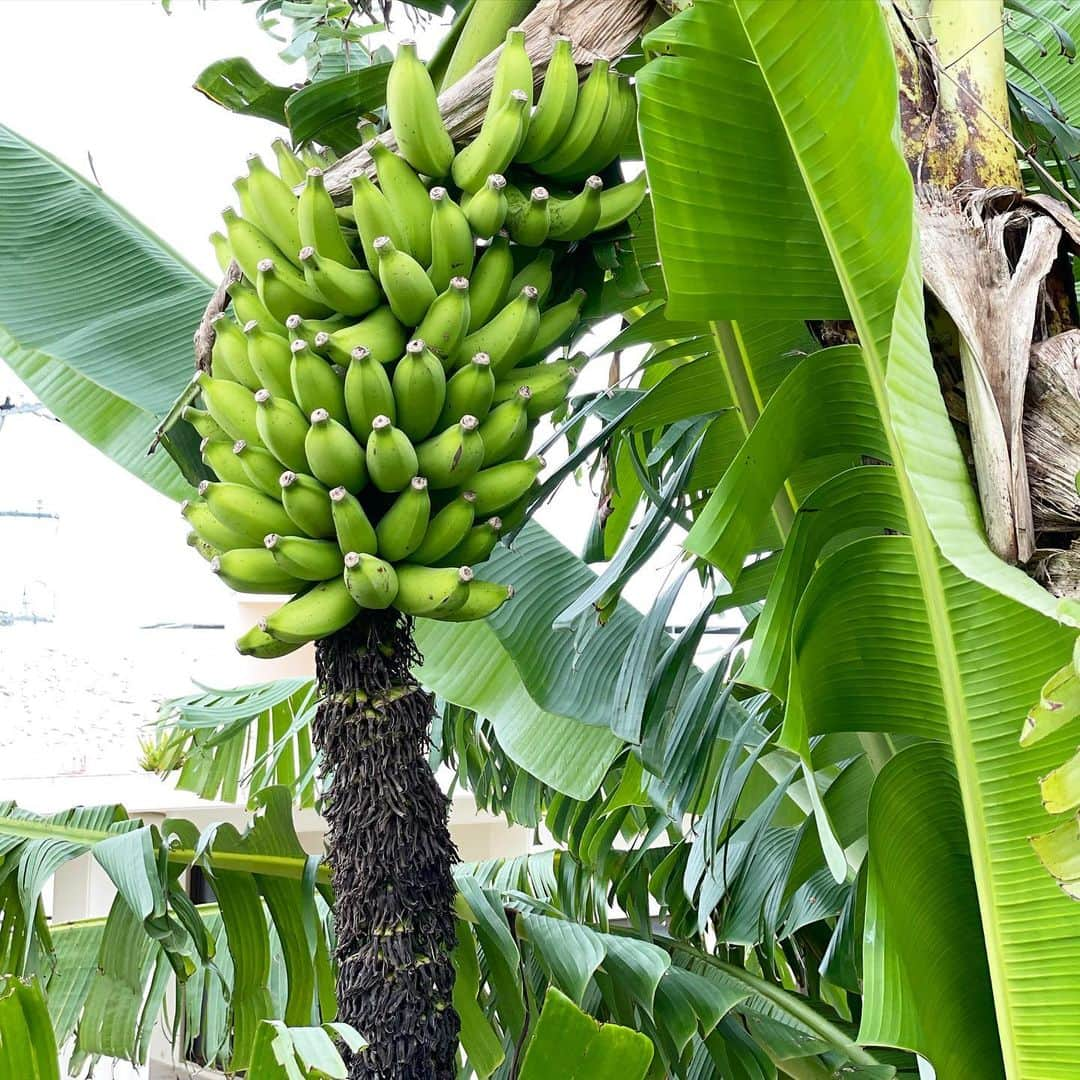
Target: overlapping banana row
x=373 y=394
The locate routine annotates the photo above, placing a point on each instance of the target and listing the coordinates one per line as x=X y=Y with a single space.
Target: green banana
x=536 y=273
x=351 y=292
x=247 y=204
x=258 y=643
x=504 y=484
x=270 y=359
x=253 y=570
x=380 y=333
x=619 y=202
x=248 y=306
x=430 y=592
x=231 y=405
x=447 y=320
x=391 y=458
x=408 y=289
x=319 y=224
x=300 y=329
x=513 y=71
x=207 y=551
x=202 y=422
x=484 y=599
x=249 y=244
x=368 y=393
x=495 y=144
x=490 y=284
x=374 y=217
x=554 y=110
x=222 y=251
x=275 y=205
x=618 y=123
x=548 y=383
x=487 y=209
x=261 y=469
x=229 y=355
x=451 y=241
x=516 y=514
x=528 y=220
x=307 y=504
x=354 y=531
x=244 y=510
x=520 y=446
x=211 y=531
x=335 y=457
x=217 y=453
x=290 y=167
x=504 y=426
x=413 y=110
x=370 y=581
x=408 y=198
x=450 y=458
x=469 y=391
x=318 y=613
x=446 y=530
x=315 y=383
x=586 y=125
x=401 y=529
x=284 y=292
x=508 y=336
x=304 y=558
x=555 y=325
x=574 y=219
x=477 y=544
x=282 y=428
x=419 y=386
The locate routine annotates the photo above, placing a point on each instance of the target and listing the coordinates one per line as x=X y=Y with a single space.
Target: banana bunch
x=372 y=397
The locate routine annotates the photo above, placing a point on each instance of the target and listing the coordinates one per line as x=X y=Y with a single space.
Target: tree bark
x=389 y=850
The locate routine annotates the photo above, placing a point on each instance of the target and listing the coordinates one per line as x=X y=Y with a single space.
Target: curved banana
x=619 y=202
x=401 y=529
x=477 y=544
x=430 y=592
x=320 y=227
x=536 y=273
x=318 y=613
x=284 y=291
x=282 y=428
x=258 y=643
x=391 y=457
x=351 y=292
x=487 y=209
x=494 y=146
x=419 y=386
x=554 y=110
x=307 y=504
x=372 y=582
x=305 y=558
x=528 y=220
x=548 y=385
x=618 y=124
x=253 y=570
x=513 y=71
x=452 y=243
x=501 y=485
x=447 y=320
x=202 y=422
x=374 y=217
x=469 y=391
x=490 y=284
x=335 y=457
x=211 y=531
x=450 y=458
x=229 y=355
x=413 y=110
x=484 y=599
x=508 y=336
x=504 y=426
x=270 y=359
x=207 y=551
x=261 y=469
x=248 y=306
x=555 y=326
x=231 y=406
x=222 y=250
x=218 y=454
x=574 y=219
x=368 y=393
x=585 y=127
x=408 y=198
x=244 y=510
x=249 y=244
x=408 y=289
x=275 y=204
x=380 y=333
x=315 y=383
x=446 y=530
x=290 y=167
x=352 y=526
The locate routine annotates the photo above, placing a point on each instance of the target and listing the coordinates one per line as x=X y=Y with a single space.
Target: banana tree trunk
x=390 y=853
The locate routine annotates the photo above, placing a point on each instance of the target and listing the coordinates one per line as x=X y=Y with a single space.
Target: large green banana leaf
x=926 y=634
x=27 y=1049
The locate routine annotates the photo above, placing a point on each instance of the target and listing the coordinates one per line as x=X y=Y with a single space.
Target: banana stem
x=389 y=850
